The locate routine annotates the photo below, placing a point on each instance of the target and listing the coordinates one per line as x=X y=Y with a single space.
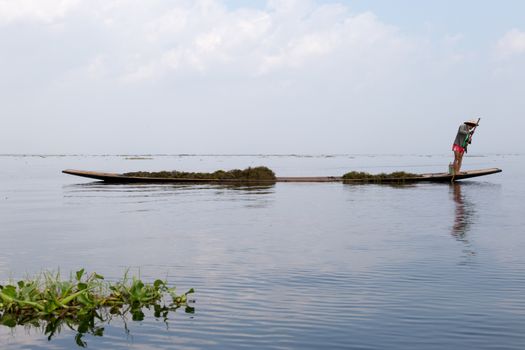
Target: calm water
x=290 y=266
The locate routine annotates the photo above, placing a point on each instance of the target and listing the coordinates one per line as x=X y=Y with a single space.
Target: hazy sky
x=292 y=76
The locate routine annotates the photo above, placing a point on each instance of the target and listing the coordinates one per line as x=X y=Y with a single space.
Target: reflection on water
x=156 y=189
x=90 y=324
x=251 y=195
x=464 y=212
x=104 y=186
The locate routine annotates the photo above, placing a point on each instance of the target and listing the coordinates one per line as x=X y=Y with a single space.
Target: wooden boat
x=431 y=177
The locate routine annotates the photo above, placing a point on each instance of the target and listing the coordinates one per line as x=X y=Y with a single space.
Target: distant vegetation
x=84 y=301
x=248 y=174
x=363 y=176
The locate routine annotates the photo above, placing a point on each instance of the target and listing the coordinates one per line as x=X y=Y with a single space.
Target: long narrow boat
x=431 y=177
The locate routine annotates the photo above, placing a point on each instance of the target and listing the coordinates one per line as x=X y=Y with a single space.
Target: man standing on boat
x=463 y=139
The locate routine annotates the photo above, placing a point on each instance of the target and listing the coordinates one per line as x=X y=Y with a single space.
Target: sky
x=253 y=77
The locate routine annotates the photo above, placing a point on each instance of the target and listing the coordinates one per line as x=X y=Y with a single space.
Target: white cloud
x=35 y=10
x=206 y=38
x=169 y=24
x=158 y=40
x=96 y=68
x=511 y=44
x=134 y=41
x=206 y=70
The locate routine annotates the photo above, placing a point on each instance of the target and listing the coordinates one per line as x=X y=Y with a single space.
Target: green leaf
x=30 y=303
x=79 y=341
x=140 y=284
x=68 y=299
x=82 y=286
x=8 y=320
x=137 y=315
x=100 y=277
x=50 y=306
x=21 y=284
x=158 y=283
x=82 y=298
x=10 y=291
x=79 y=274
x=83 y=326
x=115 y=310
x=98 y=332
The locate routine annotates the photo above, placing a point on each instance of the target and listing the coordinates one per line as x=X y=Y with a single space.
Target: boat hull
x=431 y=177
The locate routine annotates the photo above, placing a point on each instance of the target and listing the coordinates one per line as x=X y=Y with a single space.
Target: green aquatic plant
x=138 y=158
x=399 y=176
x=84 y=302
x=248 y=174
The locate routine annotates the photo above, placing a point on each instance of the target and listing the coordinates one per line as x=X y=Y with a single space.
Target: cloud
x=132 y=42
x=208 y=73
x=357 y=37
x=45 y=11
x=206 y=38
x=511 y=44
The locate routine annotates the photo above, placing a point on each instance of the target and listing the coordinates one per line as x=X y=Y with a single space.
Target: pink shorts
x=458 y=148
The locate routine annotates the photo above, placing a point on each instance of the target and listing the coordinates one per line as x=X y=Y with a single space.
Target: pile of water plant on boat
x=367 y=177
x=84 y=301
x=249 y=174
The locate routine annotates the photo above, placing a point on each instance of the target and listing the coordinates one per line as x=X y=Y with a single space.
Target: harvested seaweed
x=248 y=174
x=367 y=177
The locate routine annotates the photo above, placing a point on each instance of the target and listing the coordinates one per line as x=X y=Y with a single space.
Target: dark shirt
x=462 y=136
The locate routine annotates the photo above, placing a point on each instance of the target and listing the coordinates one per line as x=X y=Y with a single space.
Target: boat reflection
x=152 y=197
x=105 y=186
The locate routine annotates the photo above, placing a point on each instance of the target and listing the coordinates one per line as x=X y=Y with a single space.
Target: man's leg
x=460 y=160
x=455 y=163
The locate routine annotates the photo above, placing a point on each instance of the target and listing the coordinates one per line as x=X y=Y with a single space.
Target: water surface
x=286 y=266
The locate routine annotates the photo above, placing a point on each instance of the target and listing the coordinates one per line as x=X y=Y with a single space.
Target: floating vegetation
x=260 y=173
x=397 y=176
x=84 y=302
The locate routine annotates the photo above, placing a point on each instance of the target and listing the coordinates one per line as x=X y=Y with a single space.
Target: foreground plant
x=84 y=301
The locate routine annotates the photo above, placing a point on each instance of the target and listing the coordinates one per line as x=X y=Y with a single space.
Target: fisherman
x=463 y=139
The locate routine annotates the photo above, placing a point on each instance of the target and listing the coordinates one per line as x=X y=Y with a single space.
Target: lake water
x=288 y=266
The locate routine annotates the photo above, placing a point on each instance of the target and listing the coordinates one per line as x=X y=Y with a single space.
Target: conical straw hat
x=472 y=122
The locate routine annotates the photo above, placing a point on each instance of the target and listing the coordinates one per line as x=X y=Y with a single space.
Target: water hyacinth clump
x=248 y=174
x=84 y=301
x=363 y=176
